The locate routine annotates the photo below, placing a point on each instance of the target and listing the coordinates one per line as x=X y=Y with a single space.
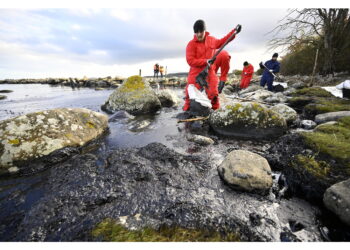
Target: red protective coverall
x=223 y=62
x=247 y=75
x=197 y=54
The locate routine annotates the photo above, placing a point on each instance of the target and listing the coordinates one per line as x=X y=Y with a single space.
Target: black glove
x=210 y=61
x=238 y=28
x=221 y=86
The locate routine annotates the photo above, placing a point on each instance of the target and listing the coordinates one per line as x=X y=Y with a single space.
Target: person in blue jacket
x=272 y=66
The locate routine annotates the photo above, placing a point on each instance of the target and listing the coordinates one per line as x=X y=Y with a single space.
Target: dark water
x=18 y=195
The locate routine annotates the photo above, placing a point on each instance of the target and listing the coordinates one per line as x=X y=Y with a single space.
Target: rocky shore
x=252 y=171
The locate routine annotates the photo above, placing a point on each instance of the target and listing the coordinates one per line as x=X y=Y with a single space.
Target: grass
x=110 y=230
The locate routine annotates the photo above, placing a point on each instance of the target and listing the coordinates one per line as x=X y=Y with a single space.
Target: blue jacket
x=271 y=64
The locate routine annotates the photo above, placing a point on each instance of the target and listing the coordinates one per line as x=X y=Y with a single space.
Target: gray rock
x=199 y=139
x=247 y=171
x=6 y=91
x=276 y=98
x=134 y=96
x=308 y=124
x=247 y=120
x=331 y=116
x=258 y=95
x=250 y=89
x=39 y=134
x=289 y=114
x=139 y=125
x=168 y=98
x=324 y=124
x=337 y=199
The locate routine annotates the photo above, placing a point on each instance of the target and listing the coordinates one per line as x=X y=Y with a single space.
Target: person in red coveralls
x=223 y=62
x=247 y=74
x=199 y=51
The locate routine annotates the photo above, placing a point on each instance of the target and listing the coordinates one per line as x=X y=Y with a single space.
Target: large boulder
x=133 y=96
x=289 y=114
x=35 y=135
x=247 y=120
x=337 y=199
x=168 y=98
x=247 y=171
x=331 y=116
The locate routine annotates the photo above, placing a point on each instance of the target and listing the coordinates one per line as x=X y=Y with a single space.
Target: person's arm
x=219 y=42
x=276 y=67
x=191 y=57
x=250 y=71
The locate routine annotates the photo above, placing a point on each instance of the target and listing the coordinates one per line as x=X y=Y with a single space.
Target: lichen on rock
x=134 y=96
x=38 y=134
x=247 y=120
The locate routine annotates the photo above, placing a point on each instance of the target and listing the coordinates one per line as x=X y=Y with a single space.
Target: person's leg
x=263 y=81
x=241 y=86
x=223 y=62
x=212 y=90
x=269 y=84
x=186 y=106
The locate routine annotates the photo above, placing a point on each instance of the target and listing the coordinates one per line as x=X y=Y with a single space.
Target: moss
x=316 y=168
x=133 y=83
x=332 y=141
x=14 y=141
x=110 y=230
x=299 y=101
x=325 y=105
x=313 y=92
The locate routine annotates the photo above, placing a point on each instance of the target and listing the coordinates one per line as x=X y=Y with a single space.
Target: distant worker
x=247 y=74
x=223 y=62
x=156 y=70
x=199 y=51
x=271 y=67
x=161 y=70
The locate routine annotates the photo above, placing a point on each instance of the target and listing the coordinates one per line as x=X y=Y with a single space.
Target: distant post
x=139 y=72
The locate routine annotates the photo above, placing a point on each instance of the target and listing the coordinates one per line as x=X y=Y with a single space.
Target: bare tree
x=326 y=29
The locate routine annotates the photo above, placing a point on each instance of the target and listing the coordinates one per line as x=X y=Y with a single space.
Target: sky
x=98 y=42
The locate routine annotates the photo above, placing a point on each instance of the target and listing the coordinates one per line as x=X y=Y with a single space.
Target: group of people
x=199 y=53
x=158 y=69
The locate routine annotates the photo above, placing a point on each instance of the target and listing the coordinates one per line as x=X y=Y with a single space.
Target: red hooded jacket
x=197 y=54
x=248 y=71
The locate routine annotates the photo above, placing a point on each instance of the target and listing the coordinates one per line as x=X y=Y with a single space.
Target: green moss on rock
x=319 y=169
x=133 y=83
x=313 y=92
x=325 y=105
x=332 y=141
x=110 y=230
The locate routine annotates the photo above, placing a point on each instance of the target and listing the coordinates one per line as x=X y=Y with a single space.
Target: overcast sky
x=102 y=42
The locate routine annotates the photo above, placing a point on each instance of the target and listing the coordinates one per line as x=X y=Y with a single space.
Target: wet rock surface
x=156 y=185
x=120 y=178
x=337 y=199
